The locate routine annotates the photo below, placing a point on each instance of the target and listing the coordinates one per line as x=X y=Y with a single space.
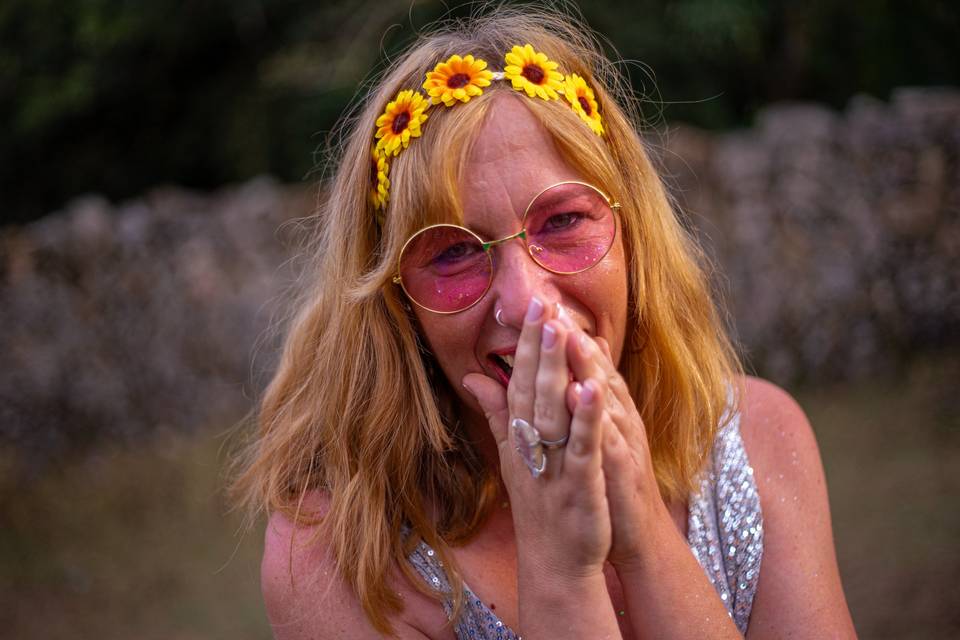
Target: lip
x=495 y=370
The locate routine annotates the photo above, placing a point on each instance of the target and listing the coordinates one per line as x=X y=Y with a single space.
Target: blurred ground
x=134 y=542
x=891 y=449
x=129 y=543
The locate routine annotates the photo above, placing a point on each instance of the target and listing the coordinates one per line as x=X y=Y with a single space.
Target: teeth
x=508 y=359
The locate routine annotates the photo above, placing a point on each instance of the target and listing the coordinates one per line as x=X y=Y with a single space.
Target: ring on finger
x=532 y=447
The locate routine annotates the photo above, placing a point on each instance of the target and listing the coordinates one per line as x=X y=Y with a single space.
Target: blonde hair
x=356 y=407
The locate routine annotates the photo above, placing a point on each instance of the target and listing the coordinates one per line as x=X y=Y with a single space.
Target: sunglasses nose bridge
x=499 y=258
x=492 y=243
x=515 y=280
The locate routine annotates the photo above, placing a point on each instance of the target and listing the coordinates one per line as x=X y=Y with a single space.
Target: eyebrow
x=553 y=200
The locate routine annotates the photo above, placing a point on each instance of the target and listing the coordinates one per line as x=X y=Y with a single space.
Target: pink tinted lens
x=570 y=228
x=444 y=268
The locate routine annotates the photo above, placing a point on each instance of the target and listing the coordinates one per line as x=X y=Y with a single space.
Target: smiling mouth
x=503 y=365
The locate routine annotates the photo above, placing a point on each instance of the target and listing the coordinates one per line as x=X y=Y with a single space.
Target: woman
x=506 y=403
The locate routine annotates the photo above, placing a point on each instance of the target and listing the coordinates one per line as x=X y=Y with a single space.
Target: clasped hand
x=598 y=494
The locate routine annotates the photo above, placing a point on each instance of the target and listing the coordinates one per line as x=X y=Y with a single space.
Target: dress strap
x=476 y=621
x=726 y=524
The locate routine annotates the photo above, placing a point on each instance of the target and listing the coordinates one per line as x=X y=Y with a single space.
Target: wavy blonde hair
x=357 y=408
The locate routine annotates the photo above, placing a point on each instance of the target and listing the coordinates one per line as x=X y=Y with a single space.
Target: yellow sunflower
x=401 y=121
x=583 y=102
x=457 y=79
x=533 y=72
x=380 y=183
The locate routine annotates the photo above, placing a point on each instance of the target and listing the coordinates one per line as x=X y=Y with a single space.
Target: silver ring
x=555 y=444
x=496 y=316
x=532 y=447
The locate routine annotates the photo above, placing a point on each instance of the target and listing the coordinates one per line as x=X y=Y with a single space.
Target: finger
x=585 y=358
x=572 y=396
x=621 y=487
x=616 y=461
x=492 y=399
x=582 y=453
x=597 y=350
x=550 y=414
x=522 y=388
x=604 y=347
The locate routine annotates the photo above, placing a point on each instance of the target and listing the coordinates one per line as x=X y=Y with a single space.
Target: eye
x=456 y=252
x=562 y=221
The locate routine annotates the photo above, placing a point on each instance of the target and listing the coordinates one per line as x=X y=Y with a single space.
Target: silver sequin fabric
x=725 y=534
x=725 y=524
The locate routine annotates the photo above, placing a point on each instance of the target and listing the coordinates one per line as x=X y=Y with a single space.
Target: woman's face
x=512 y=161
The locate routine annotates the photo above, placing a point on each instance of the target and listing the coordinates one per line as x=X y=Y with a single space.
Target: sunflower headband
x=457 y=80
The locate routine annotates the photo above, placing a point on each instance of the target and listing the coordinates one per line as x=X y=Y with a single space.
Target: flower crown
x=457 y=80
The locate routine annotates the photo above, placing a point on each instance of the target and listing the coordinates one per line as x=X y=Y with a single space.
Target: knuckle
x=578 y=446
x=549 y=385
x=581 y=440
x=616 y=381
x=519 y=391
x=611 y=434
x=615 y=454
x=543 y=382
x=603 y=377
x=616 y=411
x=544 y=411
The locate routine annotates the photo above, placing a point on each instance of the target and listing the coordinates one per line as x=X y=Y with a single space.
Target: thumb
x=492 y=398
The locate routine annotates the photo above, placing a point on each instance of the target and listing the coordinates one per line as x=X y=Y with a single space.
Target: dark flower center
x=400 y=122
x=585 y=105
x=458 y=81
x=533 y=73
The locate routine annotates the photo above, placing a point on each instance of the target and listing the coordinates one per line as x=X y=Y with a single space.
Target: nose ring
x=496 y=316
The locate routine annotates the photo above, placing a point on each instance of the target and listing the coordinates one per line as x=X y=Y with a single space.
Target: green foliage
x=115 y=96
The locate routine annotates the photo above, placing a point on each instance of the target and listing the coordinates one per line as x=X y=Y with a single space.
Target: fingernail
x=469 y=390
x=588 y=392
x=549 y=337
x=564 y=317
x=577 y=389
x=585 y=344
x=535 y=310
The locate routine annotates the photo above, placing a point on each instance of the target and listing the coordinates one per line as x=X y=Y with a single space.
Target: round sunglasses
x=567 y=228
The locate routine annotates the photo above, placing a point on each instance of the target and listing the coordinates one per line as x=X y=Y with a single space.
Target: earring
x=496 y=316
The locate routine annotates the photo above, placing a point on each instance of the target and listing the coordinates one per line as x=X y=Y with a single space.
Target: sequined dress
x=725 y=534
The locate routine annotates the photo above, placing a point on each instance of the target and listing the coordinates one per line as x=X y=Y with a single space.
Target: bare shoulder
x=799 y=593
x=305 y=596
x=783 y=452
x=774 y=428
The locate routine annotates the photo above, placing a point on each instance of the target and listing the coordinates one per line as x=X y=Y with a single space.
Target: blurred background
x=153 y=154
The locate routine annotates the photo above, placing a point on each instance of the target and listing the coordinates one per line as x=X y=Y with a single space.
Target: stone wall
x=122 y=320
x=838 y=234
x=837 y=237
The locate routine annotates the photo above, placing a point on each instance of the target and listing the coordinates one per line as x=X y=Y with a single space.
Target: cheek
x=621 y=283
x=451 y=340
x=606 y=293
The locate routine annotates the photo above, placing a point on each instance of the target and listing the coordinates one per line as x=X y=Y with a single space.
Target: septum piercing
x=496 y=316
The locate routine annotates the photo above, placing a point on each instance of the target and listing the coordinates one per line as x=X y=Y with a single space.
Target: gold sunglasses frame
x=487 y=245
